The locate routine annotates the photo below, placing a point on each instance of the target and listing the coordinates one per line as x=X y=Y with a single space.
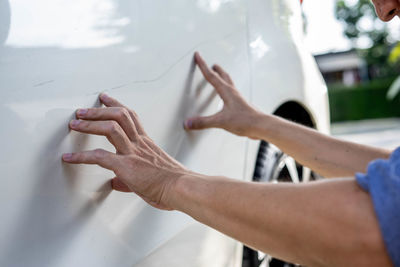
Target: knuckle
x=123 y=114
x=213 y=74
x=208 y=73
x=213 y=79
x=132 y=113
x=113 y=127
x=98 y=154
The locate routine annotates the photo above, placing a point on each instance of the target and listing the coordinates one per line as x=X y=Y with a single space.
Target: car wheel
x=273 y=166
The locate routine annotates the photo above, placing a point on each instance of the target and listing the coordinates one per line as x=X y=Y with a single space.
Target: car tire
x=273 y=166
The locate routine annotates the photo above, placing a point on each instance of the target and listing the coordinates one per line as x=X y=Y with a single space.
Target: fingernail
x=104 y=97
x=74 y=123
x=67 y=156
x=82 y=112
x=188 y=124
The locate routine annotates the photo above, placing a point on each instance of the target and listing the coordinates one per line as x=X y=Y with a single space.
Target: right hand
x=237 y=116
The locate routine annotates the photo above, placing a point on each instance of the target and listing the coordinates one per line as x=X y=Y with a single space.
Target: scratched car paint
x=57 y=56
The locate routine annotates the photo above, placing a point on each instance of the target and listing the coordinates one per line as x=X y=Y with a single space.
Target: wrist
x=181 y=189
x=260 y=126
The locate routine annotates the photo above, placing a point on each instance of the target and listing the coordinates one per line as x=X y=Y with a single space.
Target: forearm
x=329 y=223
x=328 y=156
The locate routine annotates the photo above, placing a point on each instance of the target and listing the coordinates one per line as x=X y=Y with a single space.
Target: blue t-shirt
x=382 y=181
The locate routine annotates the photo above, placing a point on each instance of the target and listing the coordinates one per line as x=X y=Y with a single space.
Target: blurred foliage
x=352 y=14
x=364 y=101
x=367 y=100
x=394 y=60
x=373 y=84
x=394 y=89
x=362 y=25
x=394 y=56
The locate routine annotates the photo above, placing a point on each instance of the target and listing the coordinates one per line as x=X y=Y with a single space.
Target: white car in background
x=58 y=55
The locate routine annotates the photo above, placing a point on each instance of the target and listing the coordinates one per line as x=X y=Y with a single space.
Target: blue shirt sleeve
x=382 y=182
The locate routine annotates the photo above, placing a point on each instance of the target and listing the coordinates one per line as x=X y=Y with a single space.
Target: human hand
x=237 y=116
x=139 y=164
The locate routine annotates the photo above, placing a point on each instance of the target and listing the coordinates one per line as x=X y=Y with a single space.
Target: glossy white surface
x=212 y=249
x=286 y=71
x=57 y=56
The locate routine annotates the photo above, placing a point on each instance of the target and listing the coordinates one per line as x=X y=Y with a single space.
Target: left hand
x=237 y=116
x=139 y=164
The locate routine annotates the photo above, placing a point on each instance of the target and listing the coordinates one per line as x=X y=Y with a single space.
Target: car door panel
x=58 y=56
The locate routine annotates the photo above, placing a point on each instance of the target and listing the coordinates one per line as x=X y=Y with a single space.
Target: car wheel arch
x=297 y=112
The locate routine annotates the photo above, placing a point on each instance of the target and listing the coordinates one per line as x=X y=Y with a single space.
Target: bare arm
x=329 y=223
x=328 y=156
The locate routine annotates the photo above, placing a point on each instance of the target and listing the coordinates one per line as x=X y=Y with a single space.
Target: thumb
x=118 y=185
x=199 y=123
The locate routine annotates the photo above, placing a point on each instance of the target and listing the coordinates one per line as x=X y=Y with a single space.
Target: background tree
x=368 y=34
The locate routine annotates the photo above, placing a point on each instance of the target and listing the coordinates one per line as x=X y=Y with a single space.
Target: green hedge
x=364 y=101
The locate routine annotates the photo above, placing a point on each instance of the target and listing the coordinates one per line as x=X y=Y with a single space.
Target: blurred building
x=345 y=67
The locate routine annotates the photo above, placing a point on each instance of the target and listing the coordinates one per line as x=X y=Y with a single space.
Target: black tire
x=272 y=165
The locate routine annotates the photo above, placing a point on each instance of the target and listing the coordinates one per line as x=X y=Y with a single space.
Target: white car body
x=58 y=55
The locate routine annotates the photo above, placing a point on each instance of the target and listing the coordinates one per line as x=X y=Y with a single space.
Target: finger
x=112 y=102
x=119 y=114
x=224 y=75
x=118 y=185
x=110 y=129
x=199 y=123
x=212 y=77
x=100 y=157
